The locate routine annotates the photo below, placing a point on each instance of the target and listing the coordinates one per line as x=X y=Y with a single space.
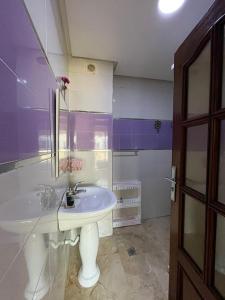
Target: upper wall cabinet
x=91 y=85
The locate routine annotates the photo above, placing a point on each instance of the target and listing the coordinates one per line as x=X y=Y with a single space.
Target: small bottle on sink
x=69 y=198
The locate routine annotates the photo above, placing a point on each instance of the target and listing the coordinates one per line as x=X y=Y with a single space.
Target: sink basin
x=90 y=207
x=25 y=214
x=21 y=214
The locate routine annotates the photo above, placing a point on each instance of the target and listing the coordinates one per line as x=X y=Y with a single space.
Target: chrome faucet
x=48 y=196
x=74 y=190
x=71 y=194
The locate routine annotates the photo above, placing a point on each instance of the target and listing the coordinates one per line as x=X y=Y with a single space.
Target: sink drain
x=131 y=251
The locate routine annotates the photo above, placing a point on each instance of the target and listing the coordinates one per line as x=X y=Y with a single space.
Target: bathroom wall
x=46 y=17
x=91 y=90
x=91 y=125
x=144 y=99
x=31 y=264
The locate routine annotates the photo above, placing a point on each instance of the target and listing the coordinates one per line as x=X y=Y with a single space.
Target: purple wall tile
x=33 y=133
x=144 y=127
x=122 y=126
x=89 y=131
x=26 y=87
x=137 y=134
x=20 y=48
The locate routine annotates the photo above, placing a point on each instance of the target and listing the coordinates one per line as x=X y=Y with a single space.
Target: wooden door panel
x=196 y=157
x=194 y=230
x=198 y=95
x=188 y=291
x=221 y=173
x=198 y=214
x=219 y=274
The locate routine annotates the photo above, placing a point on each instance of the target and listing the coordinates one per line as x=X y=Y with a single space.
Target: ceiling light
x=169 y=6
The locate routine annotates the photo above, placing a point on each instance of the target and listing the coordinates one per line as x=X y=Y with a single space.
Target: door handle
x=170 y=180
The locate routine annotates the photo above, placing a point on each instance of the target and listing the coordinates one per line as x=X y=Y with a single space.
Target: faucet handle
x=77 y=184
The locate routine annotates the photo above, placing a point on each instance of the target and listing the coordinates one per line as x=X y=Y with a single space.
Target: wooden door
x=197 y=253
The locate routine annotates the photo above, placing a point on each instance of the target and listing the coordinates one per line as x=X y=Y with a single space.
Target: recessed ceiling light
x=169 y=6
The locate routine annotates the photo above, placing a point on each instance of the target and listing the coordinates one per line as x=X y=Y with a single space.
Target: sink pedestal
x=93 y=206
x=36 y=256
x=89 y=241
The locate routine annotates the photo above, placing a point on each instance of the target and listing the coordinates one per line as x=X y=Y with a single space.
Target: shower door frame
x=209 y=28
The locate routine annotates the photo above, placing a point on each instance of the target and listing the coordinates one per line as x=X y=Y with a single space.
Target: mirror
x=61 y=133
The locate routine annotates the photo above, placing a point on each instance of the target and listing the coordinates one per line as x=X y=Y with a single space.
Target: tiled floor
x=143 y=276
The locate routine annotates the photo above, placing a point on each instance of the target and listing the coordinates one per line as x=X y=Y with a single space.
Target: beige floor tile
x=124 y=277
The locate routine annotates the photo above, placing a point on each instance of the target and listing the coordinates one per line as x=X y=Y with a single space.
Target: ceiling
x=132 y=33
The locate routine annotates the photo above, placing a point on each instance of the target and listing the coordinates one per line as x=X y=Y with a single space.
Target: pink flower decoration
x=71 y=165
x=64 y=164
x=76 y=164
x=65 y=80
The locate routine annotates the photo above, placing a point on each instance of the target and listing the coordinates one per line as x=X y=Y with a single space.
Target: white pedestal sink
x=25 y=215
x=90 y=207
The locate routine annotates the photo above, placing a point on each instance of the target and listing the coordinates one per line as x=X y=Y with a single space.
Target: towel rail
x=125 y=153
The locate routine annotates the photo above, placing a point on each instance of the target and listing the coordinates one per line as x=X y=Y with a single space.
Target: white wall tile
x=37 y=11
x=19 y=202
x=79 y=65
x=150 y=167
x=150 y=99
x=10 y=246
x=90 y=91
x=55 y=38
x=46 y=18
x=61 y=255
x=97 y=169
x=37 y=274
x=14 y=283
x=142 y=98
x=58 y=63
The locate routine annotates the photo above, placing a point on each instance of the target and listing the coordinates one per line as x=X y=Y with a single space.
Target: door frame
x=190 y=48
